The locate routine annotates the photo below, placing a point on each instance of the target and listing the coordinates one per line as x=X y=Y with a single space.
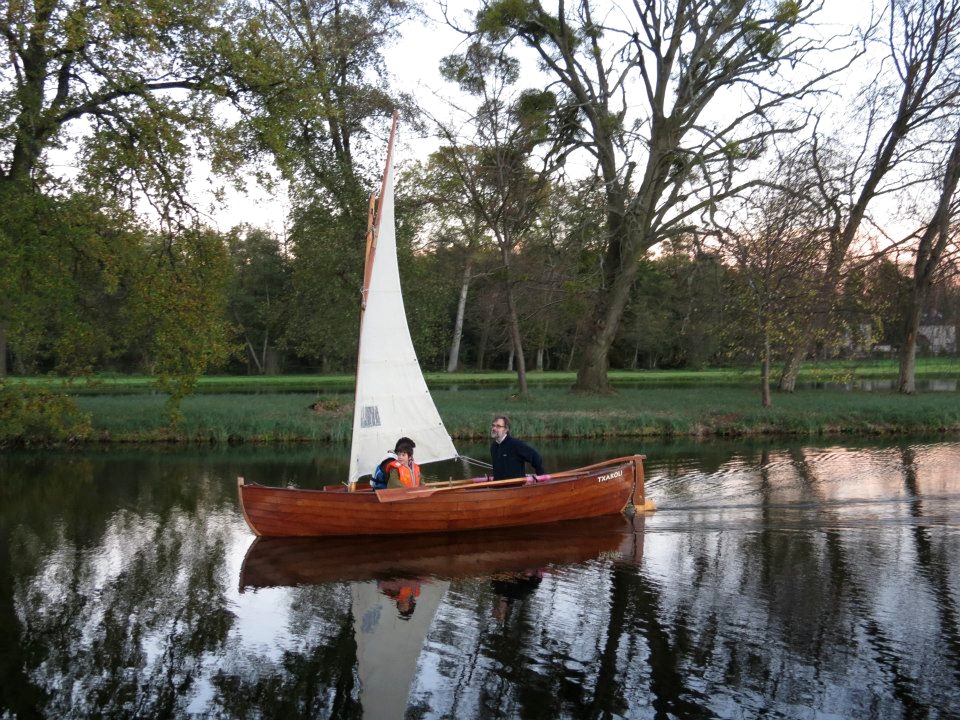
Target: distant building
x=934 y=338
x=937 y=339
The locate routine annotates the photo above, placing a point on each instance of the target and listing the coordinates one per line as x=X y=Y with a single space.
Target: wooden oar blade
x=400 y=494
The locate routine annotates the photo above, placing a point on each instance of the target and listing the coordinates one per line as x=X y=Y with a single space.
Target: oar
x=399 y=494
x=396 y=494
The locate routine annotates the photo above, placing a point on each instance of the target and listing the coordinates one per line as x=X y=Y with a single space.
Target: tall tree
x=776 y=242
x=499 y=185
x=257 y=294
x=132 y=81
x=308 y=79
x=913 y=93
x=649 y=93
x=453 y=229
x=929 y=251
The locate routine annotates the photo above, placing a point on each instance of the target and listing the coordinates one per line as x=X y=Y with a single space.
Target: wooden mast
x=374 y=213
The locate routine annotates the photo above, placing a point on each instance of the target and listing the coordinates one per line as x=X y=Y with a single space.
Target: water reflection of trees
x=113 y=610
x=798 y=601
x=934 y=552
x=115 y=600
x=791 y=606
x=314 y=678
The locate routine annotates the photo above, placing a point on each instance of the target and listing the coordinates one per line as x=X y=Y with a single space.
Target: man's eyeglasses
x=497 y=425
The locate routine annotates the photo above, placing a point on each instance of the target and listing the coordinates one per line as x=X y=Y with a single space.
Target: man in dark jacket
x=508 y=455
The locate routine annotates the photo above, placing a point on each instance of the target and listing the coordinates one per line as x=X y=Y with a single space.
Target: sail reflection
x=391 y=619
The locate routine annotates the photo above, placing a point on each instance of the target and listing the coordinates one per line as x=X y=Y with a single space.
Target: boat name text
x=610 y=476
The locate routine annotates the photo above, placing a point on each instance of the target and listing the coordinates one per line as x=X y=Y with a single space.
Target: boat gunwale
x=564 y=476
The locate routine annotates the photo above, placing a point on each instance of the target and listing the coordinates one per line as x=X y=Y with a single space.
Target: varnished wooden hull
x=297 y=561
x=602 y=489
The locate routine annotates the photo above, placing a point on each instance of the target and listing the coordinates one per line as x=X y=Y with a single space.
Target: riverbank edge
x=174 y=438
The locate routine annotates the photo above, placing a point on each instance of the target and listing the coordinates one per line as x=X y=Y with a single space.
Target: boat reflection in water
x=288 y=562
x=397 y=584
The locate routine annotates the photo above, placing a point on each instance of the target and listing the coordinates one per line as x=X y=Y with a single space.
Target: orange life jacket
x=407 y=478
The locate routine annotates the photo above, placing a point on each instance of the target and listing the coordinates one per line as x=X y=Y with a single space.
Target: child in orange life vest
x=402 y=471
x=403 y=592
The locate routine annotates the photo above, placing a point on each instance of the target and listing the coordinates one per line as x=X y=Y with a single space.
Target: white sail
x=391 y=398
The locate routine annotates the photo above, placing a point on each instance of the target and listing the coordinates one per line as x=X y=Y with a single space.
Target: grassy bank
x=550 y=412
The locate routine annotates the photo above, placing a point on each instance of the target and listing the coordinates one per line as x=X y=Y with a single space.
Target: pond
x=790 y=580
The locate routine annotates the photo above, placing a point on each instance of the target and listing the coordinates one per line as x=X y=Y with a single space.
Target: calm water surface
x=795 y=581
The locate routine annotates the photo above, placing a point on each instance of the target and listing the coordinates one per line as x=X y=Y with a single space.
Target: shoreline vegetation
x=834 y=398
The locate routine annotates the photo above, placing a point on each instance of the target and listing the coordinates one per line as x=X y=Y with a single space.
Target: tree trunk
x=906 y=383
x=271 y=362
x=19 y=363
x=514 y=320
x=540 y=359
x=573 y=346
x=254 y=357
x=454 y=361
x=592 y=374
x=510 y=361
x=484 y=337
x=928 y=255
x=765 y=372
x=791 y=368
x=3 y=350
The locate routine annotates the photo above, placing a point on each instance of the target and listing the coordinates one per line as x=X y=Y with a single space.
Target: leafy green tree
x=175 y=308
x=325 y=282
x=125 y=92
x=449 y=230
x=882 y=289
x=557 y=268
x=678 y=311
x=63 y=262
x=308 y=78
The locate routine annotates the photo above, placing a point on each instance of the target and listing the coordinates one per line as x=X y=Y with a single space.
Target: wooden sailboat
x=392 y=400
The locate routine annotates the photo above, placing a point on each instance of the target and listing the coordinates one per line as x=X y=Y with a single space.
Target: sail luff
x=391 y=397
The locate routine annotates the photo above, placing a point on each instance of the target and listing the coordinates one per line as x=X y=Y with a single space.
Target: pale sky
x=414 y=60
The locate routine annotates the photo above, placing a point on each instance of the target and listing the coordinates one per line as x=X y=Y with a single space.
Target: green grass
x=549 y=412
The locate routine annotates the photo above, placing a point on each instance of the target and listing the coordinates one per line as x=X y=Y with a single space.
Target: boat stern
x=639 y=499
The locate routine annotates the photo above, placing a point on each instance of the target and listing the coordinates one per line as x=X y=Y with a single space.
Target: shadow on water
x=788 y=580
